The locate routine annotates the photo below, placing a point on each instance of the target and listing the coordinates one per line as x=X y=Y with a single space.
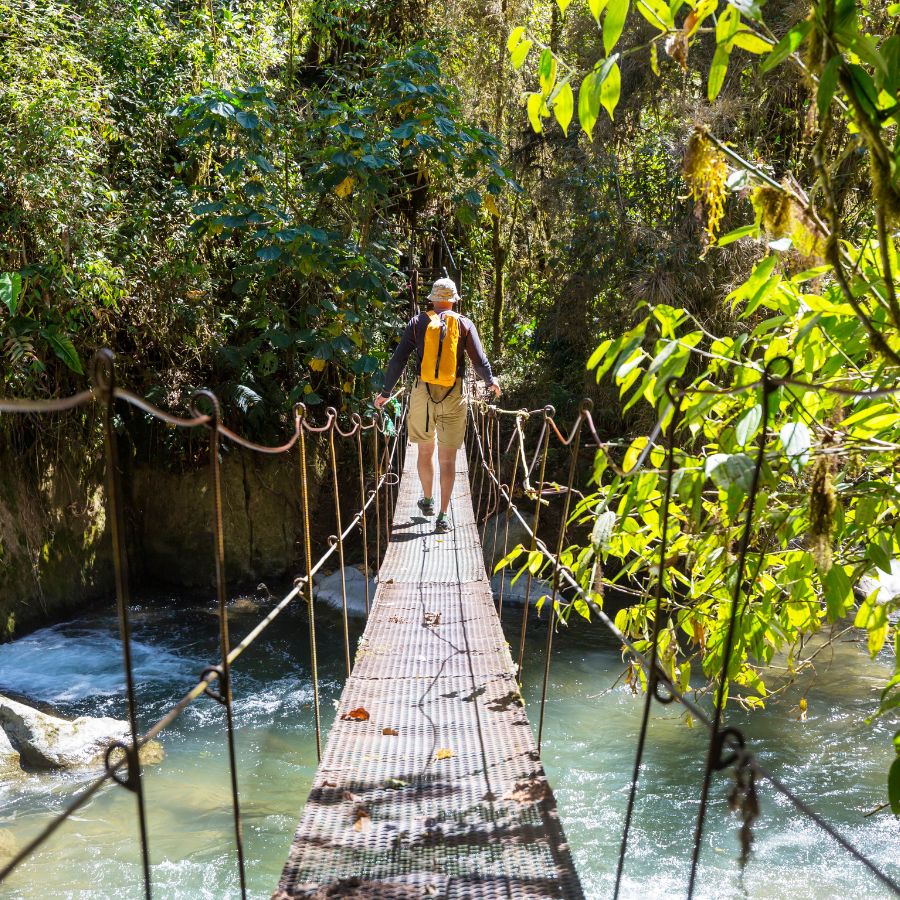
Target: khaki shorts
x=446 y=417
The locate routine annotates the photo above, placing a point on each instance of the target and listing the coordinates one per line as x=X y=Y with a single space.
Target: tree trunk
x=499 y=258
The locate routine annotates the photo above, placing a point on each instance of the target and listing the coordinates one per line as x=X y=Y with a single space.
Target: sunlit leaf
x=614 y=22
x=611 y=89
x=563 y=106
x=588 y=103
x=520 y=53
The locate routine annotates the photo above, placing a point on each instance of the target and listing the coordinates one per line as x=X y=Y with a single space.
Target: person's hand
x=380 y=400
x=495 y=389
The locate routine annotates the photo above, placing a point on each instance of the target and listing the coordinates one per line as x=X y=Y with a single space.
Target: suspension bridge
x=431 y=782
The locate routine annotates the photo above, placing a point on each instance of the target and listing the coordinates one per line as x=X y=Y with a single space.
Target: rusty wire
x=106 y=391
x=574 y=442
x=224 y=694
x=721 y=740
x=536 y=522
x=104 y=376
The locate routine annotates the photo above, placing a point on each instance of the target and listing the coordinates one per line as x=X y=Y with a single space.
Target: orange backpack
x=441 y=349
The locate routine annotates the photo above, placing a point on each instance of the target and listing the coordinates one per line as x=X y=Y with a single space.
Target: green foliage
x=823 y=296
x=180 y=187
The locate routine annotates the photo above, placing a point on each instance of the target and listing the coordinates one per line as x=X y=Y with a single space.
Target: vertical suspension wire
x=714 y=759
x=508 y=514
x=339 y=537
x=490 y=417
x=308 y=586
x=105 y=382
x=376 y=463
x=481 y=468
x=357 y=421
x=224 y=695
x=548 y=411
x=498 y=496
x=652 y=692
x=551 y=624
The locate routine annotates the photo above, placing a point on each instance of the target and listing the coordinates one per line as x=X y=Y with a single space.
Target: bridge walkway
x=433 y=787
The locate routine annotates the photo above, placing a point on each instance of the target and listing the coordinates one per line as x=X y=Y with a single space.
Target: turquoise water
x=833 y=759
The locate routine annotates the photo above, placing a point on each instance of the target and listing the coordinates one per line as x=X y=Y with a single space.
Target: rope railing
x=727 y=747
x=122 y=763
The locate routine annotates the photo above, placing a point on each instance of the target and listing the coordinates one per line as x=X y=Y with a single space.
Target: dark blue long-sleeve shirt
x=413 y=339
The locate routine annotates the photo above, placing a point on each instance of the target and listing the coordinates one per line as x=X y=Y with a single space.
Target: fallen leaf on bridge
x=391 y=732
x=443 y=753
x=362 y=820
x=360 y=714
x=528 y=792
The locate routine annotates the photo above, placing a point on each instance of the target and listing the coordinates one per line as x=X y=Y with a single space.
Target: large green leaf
x=610 y=89
x=588 y=103
x=563 y=106
x=614 y=22
x=786 y=46
x=730 y=469
x=10 y=288
x=519 y=54
x=537 y=109
x=796 y=439
x=547 y=71
x=717 y=71
x=64 y=349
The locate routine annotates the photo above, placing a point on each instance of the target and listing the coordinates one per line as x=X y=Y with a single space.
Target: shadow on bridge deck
x=440 y=792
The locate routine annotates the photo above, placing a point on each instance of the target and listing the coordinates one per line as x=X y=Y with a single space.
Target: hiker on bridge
x=441 y=339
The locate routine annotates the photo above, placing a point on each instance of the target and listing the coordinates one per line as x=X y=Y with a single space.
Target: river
x=832 y=759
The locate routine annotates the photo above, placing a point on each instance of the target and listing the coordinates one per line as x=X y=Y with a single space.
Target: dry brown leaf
x=443 y=753
x=360 y=714
x=528 y=792
x=353 y=798
x=362 y=821
x=390 y=732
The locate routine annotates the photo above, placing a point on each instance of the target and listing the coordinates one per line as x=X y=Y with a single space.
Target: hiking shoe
x=442 y=523
x=426 y=505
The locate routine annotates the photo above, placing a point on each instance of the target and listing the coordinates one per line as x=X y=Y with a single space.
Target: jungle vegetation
x=232 y=193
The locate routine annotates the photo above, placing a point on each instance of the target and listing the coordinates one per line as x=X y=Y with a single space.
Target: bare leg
x=425 y=465
x=447 y=461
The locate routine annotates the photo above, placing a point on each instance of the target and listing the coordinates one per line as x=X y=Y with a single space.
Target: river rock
x=506 y=525
x=514 y=594
x=49 y=742
x=9 y=758
x=9 y=846
x=328 y=590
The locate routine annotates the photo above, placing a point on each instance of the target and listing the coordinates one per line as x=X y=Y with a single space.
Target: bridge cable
x=534 y=531
x=740 y=754
x=104 y=376
x=551 y=625
x=106 y=391
x=224 y=694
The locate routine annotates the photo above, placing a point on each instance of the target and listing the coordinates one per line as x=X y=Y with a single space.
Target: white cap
x=444 y=289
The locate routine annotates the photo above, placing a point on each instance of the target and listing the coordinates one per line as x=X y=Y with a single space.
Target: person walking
x=441 y=339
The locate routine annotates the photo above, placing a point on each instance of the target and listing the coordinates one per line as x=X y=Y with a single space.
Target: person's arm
x=479 y=360
x=398 y=360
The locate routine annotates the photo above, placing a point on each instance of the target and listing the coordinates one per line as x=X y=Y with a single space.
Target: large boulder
x=514 y=594
x=328 y=590
x=9 y=757
x=507 y=526
x=43 y=741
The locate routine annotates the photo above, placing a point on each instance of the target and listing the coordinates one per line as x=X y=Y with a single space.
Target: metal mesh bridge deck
x=441 y=792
